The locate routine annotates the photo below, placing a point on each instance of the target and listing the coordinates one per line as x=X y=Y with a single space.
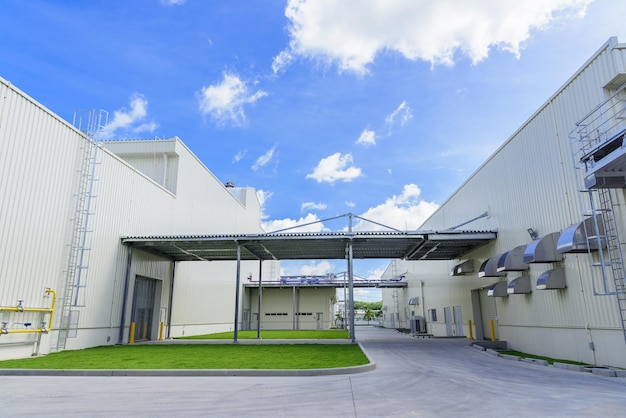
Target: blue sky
x=381 y=108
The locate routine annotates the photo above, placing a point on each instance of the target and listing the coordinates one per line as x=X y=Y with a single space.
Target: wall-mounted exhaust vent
x=579 y=238
x=414 y=301
x=463 y=268
x=552 y=279
x=513 y=260
x=489 y=268
x=543 y=250
x=498 y=290
x=519 y=286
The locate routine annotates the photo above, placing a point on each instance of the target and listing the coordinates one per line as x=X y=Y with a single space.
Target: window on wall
x=433 y=315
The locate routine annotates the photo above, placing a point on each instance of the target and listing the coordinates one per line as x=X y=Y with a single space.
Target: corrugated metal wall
x=530 y=182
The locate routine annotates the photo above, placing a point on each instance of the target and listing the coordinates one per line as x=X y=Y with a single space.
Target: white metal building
x=65 y=201
x=553 y=281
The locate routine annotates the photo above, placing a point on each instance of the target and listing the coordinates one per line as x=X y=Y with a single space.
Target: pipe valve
x=44 y=330
x=20 y=305
x=3 y=328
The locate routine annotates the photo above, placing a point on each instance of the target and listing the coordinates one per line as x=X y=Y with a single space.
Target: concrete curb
x=197 y=372
x=600 y=371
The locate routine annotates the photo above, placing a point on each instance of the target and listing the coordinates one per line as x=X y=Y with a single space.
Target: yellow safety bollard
x=161 y=331
x=493 y=330
x=471 y=332
x=145 y=331
x=131 y=338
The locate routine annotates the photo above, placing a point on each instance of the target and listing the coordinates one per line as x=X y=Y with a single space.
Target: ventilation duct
x=519 y=286
x=543 y=250
x=463 y=268
x=498 y=290
x=490 y=267
x=552 y=279
x=580 y=238
x=414 y=301
x=513 y=260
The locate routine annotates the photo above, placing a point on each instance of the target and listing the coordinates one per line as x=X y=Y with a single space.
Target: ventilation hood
x=543 y=250
x=552 y=279
x=498 y=290
x=519 y=286
x=574 y=239
x=513 y=260
x=490 y=267
x=414 y=301
x=463 y=268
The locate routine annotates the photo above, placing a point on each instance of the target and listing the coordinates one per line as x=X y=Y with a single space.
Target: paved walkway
x=413 y=377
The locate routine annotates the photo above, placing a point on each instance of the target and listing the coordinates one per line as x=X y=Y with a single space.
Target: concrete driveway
x=413 y=377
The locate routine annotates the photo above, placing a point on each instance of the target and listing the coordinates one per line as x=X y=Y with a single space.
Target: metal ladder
x=91 y=123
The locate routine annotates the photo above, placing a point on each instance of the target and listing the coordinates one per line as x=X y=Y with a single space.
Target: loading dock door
x=143 y=307
x=488 y=313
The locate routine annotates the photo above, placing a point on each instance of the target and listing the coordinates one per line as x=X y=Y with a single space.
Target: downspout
x=120 y=338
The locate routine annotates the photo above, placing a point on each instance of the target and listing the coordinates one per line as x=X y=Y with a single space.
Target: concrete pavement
x=413 y=377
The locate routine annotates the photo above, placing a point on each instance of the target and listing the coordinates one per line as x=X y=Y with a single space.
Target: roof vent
x=498 y=290
x=463 y=268
x=229 y=184
x=519 y=286
x=552 y=279
x=579 y=238
x=513 y=260
x=489 y=268
x=543 y=250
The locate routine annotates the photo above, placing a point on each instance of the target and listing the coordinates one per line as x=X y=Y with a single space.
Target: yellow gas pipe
x=20 y=308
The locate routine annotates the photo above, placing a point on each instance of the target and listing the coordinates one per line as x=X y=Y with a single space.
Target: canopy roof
x=415 y=245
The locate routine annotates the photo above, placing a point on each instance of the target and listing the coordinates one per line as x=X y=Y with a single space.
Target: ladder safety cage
x=600 y=154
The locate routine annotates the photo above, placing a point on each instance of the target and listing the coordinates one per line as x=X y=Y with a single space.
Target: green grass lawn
x=548 y=359
x=198 y=356
x=274 y=335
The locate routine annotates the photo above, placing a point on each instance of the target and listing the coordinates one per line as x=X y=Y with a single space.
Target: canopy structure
x=448 y=244
x=416 y=245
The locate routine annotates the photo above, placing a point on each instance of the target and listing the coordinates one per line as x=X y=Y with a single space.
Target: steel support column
x=258 y=322
x=129 y=262
x=351 y=291
x=238 y=281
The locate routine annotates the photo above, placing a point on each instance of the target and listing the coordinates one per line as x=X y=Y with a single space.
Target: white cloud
x=349 y=204
x=311 y=224
x=367 y=137
x=126 y=120
x=264 y=159
x=173 y=2
x=404 y=212
x=263 y=197
x=312 y=206
x=240 y=155
x=350 y=35
x=334 y=168
x=308 y=268
x=403 y=113
x=317 y=268
x=224 y=102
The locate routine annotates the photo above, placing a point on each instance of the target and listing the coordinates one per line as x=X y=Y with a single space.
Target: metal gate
x=448 y=319
x=488 y=313
x=143 y=307
x=458 y=321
